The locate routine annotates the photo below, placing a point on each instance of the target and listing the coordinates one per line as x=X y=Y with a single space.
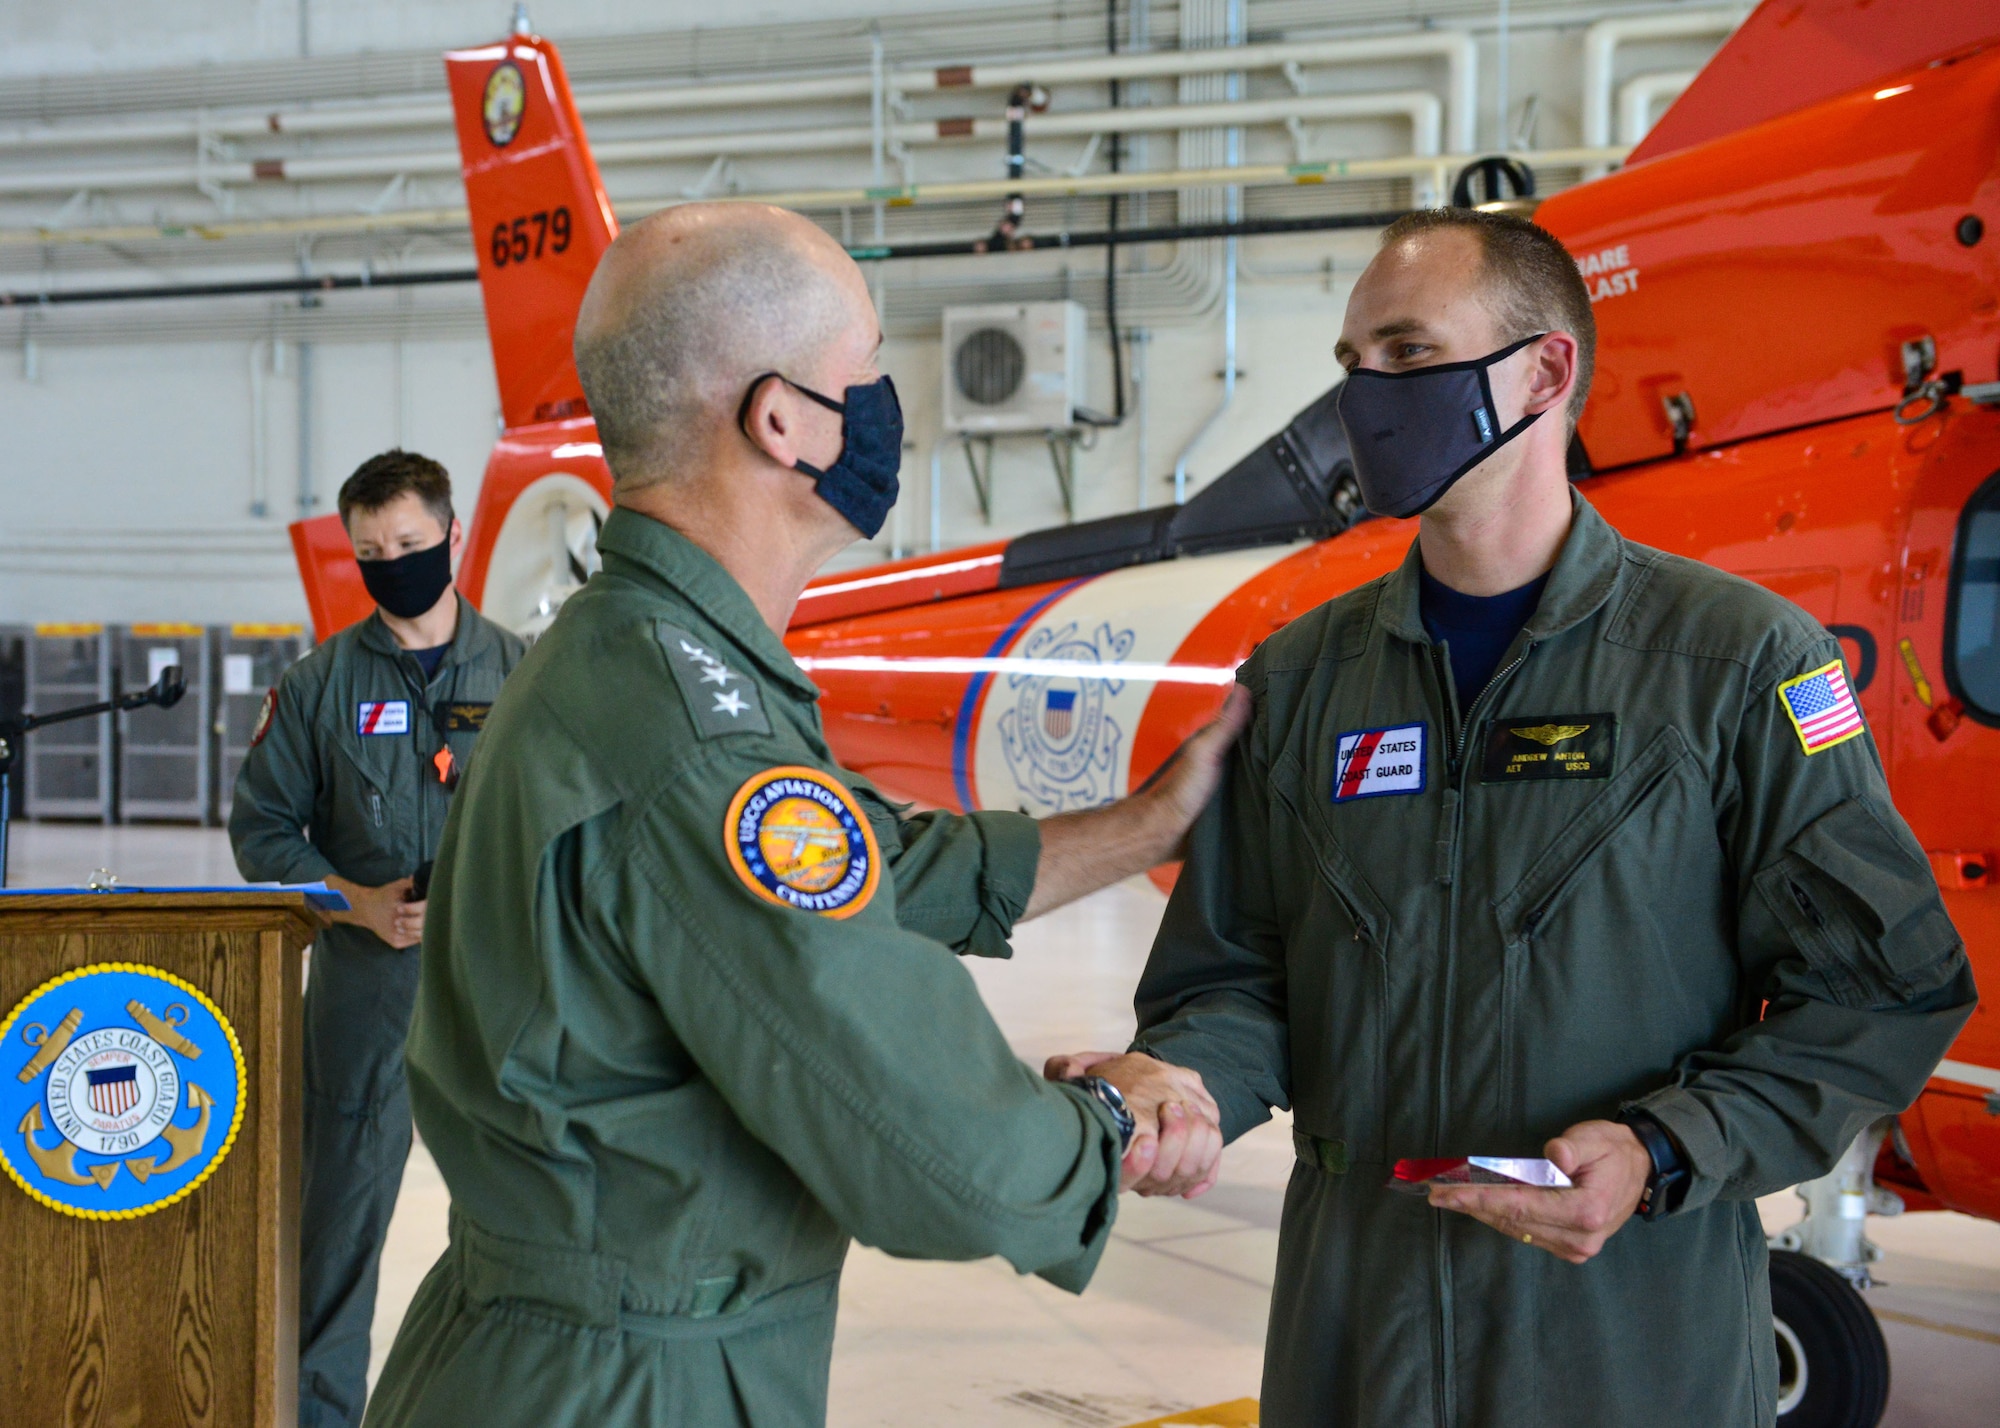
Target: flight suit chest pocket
x=459 y=721
x=1338 y=938
x=359 y=816
x=1863 y=908
x=1556 y=875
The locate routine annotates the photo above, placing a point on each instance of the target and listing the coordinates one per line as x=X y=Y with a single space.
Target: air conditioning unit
x=1013 y=367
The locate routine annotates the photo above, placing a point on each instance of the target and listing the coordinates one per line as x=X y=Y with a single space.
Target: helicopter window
x=1972 y=636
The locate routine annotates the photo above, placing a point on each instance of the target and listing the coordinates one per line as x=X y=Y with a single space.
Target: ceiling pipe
x=1637 y=96
x=1456 y=48
x=1419 y=107
x=899 y=196
x=1600 y=53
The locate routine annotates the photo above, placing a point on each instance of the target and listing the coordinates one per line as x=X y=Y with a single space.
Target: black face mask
x=1413 y=434
x=862 y=483
x=409 y=585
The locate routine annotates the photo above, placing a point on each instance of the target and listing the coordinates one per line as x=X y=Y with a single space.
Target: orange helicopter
x=1798 y=380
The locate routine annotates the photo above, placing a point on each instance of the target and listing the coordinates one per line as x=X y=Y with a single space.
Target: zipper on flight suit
x=1451 y=818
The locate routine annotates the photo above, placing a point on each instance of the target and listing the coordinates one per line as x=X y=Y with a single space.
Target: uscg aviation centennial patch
x=121 y=1089
x=797 y=838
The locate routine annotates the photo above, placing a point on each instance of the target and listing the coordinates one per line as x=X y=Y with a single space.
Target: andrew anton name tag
x=1368 y=762
x=1563 y=746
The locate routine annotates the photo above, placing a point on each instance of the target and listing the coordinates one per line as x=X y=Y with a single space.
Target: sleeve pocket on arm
x=1862 y=907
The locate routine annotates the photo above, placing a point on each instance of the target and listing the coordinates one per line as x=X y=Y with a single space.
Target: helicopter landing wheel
x=1833 y=1366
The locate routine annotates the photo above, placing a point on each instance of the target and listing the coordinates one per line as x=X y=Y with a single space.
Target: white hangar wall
x=154 y=452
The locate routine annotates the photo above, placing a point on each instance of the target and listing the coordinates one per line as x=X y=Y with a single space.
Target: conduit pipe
x=1456 y=48
x=1419 y=107
x=1637 y=96
x=898 y=196
x=1600 y=53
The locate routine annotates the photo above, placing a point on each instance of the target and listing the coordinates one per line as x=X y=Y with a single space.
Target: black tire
x=1824 y=1328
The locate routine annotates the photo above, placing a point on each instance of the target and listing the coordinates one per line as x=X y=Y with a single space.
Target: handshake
x=1176 y=1145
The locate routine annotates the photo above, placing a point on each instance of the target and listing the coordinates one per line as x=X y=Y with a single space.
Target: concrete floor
x=1174 y=1319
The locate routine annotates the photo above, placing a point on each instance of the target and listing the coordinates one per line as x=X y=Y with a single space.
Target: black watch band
x=1668 y=1183
x=1114 y=1102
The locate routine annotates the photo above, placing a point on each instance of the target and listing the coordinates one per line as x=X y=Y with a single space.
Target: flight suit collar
x=1581 y=581
x=639 y=547
x=469 y=640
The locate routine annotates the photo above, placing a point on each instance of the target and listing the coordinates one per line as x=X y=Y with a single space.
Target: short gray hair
x=732 y=301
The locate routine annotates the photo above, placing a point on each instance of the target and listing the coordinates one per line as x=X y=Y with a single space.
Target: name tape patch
x=463 y=718
x=1371 y=762
x=1549 y=746
x=797 y=838
x=382 y=716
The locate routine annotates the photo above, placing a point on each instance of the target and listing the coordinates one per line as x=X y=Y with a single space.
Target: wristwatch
x=1667 y=1185
x=1113 y=1102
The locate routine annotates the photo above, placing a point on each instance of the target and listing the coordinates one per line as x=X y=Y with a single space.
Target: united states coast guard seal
x=121 y=1090
x=797 y=838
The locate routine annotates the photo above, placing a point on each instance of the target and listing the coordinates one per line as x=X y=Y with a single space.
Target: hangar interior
x=293 y=166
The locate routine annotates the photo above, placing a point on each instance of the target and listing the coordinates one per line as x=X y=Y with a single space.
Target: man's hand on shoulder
x=1082 y=852
x=385 y=911
x=1190 y=780
x=1609 y=1166
x=1176 y=1146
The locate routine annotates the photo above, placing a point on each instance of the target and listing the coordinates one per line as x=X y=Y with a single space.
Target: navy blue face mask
x=1413 y=434
x=862 y=483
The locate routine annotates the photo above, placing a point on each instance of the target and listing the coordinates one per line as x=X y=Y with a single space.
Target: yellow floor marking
x=1894 y=1317
x=1237 y=1413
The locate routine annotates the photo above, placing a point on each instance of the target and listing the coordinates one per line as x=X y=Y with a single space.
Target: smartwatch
x=1667 y=1185
x=1109 y=1096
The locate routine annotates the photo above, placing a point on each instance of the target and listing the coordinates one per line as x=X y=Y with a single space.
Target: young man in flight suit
x=1546 y=843
x=349 y=777
x=689 y=1016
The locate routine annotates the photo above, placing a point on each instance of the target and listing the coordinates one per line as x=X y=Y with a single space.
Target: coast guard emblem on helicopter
x=1060 y=742
x=116 y=1110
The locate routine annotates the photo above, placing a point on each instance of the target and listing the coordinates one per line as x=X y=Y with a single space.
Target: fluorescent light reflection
x=1033 y=668
x=870 y=582
x=1892 y=93
x=577 y=448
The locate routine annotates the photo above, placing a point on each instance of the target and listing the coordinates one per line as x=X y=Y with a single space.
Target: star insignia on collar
x=718 y=673
x=729 y=702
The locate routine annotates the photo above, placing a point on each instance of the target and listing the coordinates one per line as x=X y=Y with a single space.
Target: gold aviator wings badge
x=1551 y=734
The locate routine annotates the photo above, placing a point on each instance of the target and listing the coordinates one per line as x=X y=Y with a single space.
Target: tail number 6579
x=529 y=237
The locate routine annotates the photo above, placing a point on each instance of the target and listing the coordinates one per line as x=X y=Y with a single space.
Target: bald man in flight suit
x=689 y=1019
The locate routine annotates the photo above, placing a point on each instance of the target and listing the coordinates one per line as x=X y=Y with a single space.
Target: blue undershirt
x=1477 y=628
x=431 y=658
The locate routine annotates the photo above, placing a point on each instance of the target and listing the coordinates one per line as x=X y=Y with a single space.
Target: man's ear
x=770 y=420
x=1552 y=373
x=455 y=539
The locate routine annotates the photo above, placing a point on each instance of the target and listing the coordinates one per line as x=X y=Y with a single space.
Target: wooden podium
x=186 y=1314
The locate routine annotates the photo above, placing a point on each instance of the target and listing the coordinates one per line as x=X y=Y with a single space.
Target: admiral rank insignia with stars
x=1549 y=746
x=121 y=1090
x=719 y=700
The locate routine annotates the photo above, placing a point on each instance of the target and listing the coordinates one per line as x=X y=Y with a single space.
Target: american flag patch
x=1821 y=707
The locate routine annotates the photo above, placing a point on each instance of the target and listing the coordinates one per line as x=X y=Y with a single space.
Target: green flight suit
x=1505 y=933
x=317 y=795
x=662 y=1099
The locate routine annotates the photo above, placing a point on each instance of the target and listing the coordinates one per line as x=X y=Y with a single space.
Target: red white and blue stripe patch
x=382 y=716
x=1369 y=762
x=1821 y=707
